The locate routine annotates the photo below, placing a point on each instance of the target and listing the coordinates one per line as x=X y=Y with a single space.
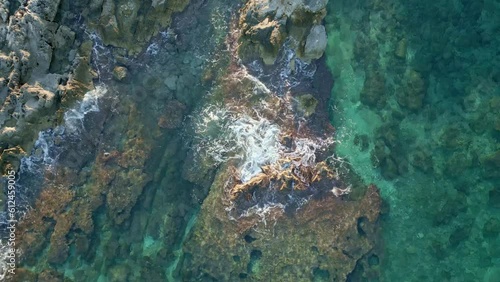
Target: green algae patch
x=307 y=104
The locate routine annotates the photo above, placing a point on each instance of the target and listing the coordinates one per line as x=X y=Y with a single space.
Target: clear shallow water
x=416 y=97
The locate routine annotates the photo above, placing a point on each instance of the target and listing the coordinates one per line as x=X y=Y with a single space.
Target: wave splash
x=261 y=132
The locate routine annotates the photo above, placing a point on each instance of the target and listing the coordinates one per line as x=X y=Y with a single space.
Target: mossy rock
x=492 y=159
x=120 y=73
x=229 y=250
x=131 y=24
x=422 y=159
x=374 y=92
x=307 y=104
x=411 y=95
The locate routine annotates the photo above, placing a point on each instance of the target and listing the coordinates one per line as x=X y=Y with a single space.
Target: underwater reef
x=415 y=93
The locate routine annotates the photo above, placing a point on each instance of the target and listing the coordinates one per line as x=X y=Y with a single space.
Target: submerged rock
x=120 y=73
x=307 y=104
x=278 y=209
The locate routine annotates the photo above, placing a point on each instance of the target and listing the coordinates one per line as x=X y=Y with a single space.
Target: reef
x=167 y=150
x=322 y=240
x=66 y=209
x=110 y=166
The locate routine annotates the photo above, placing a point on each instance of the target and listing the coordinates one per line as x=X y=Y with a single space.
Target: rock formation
x=43 y=69
x=267 y=25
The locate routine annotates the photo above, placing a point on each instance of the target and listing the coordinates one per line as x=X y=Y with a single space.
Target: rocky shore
x=152 y=184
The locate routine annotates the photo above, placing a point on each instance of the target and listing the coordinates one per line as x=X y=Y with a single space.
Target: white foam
x=153 y=49
x=264 y=212
x=258 y=139
x=209 y=129
x=43 y=143
x=5 y=250
x=73 y=119
x=305 y=150
x=228 y=135
x=255 y=141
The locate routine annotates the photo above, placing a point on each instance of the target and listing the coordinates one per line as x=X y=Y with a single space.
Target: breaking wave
x=254 y=141
x=73 y=119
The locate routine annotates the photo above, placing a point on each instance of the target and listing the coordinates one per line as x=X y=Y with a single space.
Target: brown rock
x=120 y=73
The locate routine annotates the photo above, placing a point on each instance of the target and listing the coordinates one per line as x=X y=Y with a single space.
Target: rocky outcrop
x=42 y=69
x=130 y=24
x=315 y=42
x=293 y=217
x=267 y=24
x=326 y=236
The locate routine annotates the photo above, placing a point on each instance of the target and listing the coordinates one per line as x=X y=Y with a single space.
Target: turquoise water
x=416 y=107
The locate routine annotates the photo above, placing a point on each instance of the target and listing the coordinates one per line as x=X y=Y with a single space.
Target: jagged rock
x=266 y=25
x=38 y=65
x=121 y=23
x=46 y=9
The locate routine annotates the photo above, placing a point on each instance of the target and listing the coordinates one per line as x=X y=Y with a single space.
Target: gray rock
x=34 y=61
x=315 y=43
x=266 y=25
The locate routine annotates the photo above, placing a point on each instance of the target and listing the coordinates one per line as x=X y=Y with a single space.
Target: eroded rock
x=39 y=72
